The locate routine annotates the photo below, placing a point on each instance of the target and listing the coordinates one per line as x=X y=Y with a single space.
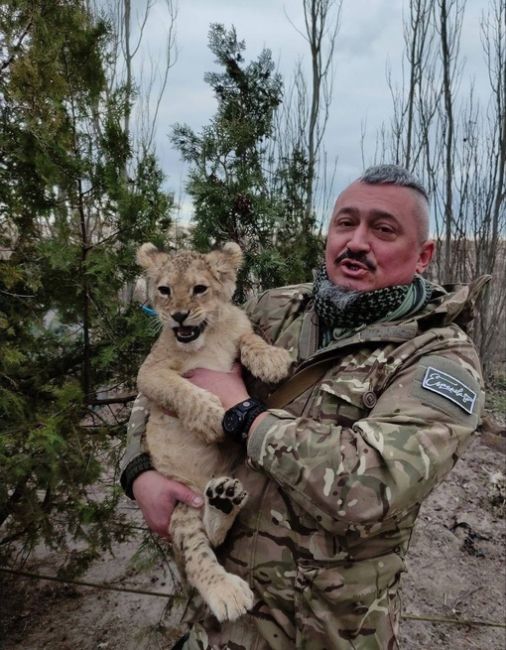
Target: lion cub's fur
x=195 y=290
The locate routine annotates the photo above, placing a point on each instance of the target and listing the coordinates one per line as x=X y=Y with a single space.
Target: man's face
x=373 y=239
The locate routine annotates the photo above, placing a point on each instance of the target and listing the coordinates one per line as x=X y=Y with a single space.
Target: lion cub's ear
x=227 y=260
x=233 y=255
x=225 y=263
x=149 y=256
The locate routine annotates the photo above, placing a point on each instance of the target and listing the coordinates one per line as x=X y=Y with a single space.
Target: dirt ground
x=456 y=570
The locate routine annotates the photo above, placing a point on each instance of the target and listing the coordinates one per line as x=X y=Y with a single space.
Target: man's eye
x=385 y=230
x=164 y=290
x=344 y=223
x=199 y=288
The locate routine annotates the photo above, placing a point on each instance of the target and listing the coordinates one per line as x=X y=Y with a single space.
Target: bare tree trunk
x=321 y=37
x=416 y=43
x=446 y=59
x=407 y=141
x=458 y=149
x=76 y=196
x=87 y=377
x=491 y=333
x=141 y=110
x=128 y=63
x=497 y=44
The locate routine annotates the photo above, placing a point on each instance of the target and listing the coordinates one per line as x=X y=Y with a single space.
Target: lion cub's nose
x=179 y=316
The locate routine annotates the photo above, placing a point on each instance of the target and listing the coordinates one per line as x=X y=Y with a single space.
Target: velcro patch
x=450 y=388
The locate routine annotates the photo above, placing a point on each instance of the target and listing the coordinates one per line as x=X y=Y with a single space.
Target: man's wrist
x=133 y=470
x=238 y=419
x=256 y=422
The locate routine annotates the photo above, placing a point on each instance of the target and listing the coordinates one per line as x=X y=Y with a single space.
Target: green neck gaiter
x=340 y=318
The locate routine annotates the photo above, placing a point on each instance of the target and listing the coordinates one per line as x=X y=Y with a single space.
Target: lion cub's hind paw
x=231 y=598
x=226 y=494
x=225 y=497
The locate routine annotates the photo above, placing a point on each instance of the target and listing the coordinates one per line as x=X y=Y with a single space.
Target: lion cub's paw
x=230 y=598
x=225 y=497
x=270 y=364
x=205 y=418
x=226 y=494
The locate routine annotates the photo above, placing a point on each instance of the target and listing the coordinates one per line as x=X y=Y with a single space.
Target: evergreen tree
x=296 y=237
x=227 y=181
x=70 y=220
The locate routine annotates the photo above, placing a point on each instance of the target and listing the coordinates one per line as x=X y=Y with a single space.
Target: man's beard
x=341 y=297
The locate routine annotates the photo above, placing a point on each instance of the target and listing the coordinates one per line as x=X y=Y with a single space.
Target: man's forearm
x=135 y=459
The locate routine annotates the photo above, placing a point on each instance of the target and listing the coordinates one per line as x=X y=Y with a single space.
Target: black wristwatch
x=238 y=419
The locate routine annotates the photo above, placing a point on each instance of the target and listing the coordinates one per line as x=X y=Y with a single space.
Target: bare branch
x=15 y=48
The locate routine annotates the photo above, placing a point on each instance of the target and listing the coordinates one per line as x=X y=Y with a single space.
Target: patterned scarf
x=342 y=315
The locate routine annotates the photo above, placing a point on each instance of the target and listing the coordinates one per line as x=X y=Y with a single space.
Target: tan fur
x=180 y=442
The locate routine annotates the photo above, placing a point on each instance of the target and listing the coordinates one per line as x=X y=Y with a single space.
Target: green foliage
x=76 y=200
x=297 y=237
x=226 y=181
x=235 y=198
x=71 y=218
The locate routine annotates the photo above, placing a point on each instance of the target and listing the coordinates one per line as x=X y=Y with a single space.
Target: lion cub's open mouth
x=186 y=334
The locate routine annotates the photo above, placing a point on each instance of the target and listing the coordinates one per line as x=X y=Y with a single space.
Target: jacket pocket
x=342 y=401
x=341 y=602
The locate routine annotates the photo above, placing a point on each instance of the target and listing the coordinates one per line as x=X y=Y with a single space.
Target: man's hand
x=157 y=497
x=227 y=386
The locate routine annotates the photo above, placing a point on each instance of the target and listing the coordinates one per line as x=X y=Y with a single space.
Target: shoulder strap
x=299 y=383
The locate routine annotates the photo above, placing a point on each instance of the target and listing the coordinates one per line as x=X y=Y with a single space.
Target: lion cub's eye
x=199 y=288
x=165 y=291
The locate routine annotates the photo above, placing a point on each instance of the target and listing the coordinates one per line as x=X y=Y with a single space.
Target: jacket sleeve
x=136 y=432
x=386 y=463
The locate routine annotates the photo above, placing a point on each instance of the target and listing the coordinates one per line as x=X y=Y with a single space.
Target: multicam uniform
x=337 y=477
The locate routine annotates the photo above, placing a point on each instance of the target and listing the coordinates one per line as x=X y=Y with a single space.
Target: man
x=337 y=476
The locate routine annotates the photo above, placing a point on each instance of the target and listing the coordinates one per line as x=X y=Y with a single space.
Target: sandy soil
x=457 y=570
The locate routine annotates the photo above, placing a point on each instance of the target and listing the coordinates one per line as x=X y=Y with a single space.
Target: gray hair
x=397 y=175
x=393 y=175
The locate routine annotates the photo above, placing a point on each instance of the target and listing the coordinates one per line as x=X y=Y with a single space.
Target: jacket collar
x=448 y=304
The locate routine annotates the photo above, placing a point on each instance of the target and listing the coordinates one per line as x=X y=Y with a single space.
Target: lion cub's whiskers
x=155 y=326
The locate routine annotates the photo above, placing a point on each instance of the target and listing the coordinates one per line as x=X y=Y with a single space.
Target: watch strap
x=251 y=415
x=246 y=412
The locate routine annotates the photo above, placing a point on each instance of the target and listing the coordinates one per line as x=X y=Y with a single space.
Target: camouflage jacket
x=336 y=478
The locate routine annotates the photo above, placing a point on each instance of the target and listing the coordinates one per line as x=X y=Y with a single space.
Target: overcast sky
x=371 y=34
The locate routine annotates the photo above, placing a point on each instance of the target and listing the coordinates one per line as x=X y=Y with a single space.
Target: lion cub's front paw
x=205 y=418
x=270 y=364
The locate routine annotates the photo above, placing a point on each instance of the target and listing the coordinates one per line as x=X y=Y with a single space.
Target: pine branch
x=113 y=400
x=5 y=64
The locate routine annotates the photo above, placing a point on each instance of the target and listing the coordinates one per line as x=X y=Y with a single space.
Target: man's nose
x=359 y=239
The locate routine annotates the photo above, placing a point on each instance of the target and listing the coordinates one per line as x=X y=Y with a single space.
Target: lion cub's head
x=188 y=288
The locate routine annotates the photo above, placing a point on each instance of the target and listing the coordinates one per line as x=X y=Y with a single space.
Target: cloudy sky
x=370 y=37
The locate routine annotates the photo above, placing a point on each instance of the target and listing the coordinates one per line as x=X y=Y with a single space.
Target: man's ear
x=148 y=256
x=426 y=253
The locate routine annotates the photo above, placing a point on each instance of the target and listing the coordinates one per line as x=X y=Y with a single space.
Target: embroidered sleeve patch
x=450 y=388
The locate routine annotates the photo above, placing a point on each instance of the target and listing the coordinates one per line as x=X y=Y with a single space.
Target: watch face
x=231 y=421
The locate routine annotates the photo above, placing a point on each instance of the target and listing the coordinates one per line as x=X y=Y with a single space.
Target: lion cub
x=201 y=328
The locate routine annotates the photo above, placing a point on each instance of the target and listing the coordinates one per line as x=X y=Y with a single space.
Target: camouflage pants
x=320 y=622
